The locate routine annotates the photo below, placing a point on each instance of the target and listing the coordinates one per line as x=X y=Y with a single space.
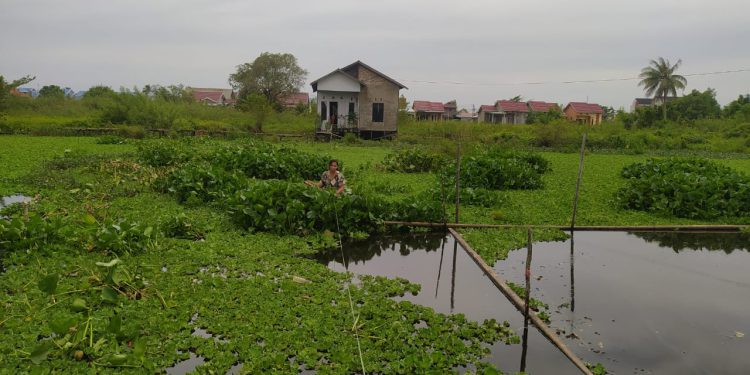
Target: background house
x=25 y=91
x=435 y=111
x=648 y=102
x=584 y=113
x=357 y=98
x=466 y=116
x=424 y=110
x=539 y=106
x=213 y=96
x=292 y=101
x=504 y=112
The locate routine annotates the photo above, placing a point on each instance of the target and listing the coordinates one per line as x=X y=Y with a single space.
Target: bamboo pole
x=520 y=305
x=527 y=297
x=578 y=182
x=458 y=179
x=585 y=228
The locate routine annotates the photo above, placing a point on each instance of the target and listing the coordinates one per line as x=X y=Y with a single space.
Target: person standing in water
x=332 y=178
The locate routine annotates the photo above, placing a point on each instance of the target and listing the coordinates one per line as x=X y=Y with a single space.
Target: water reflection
x=415 y=257
x=634 y=305
x=726 y=242
x=376 y=245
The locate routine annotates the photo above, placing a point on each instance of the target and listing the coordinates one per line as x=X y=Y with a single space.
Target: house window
x=323 y=111
x=351 y=108
x=377 y=112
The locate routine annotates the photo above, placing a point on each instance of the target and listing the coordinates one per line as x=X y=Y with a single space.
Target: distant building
x=641 y=103
x=466 y=116
x=435 y=111
x=648 y=102
x=25 y=91
x=80 y=94
x=357 y=98
x=213 y=96
x=292 y=101
x=450 y=110
x=69 y=93
x=504 y=112
x=584 y=113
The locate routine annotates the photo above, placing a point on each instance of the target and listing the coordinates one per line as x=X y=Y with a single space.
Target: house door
x=334 y=112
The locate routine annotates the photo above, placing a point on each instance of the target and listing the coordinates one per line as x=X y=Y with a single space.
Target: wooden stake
x=458 y=179
x=526 y=300
x=578 y=182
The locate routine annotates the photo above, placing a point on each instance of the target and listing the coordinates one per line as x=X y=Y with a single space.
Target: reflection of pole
x=526 y=301
x=453 y=274
x=458 y=178
x=572 y=274
x=578 y=183
x=440 y=266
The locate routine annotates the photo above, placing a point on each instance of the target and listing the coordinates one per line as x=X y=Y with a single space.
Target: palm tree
x=659 y=80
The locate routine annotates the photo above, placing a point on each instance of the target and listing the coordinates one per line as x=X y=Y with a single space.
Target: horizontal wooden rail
x=603 y=228
x=502 y=285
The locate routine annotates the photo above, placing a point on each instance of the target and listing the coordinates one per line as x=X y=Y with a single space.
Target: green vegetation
x=689 y=188
x=412 y=160
x=501 y=170
x=128 y=248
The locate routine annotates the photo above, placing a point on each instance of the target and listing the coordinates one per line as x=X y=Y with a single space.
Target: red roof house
x=585 y=113
x=210 y=97
x=293 y=100
x=426 y=110
x=539 y=106
x=504 y=112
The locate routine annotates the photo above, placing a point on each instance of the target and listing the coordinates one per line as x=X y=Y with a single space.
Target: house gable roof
x=540 y=106
x=214 y=96
x=360 y=63
x=425 y=106
x=584 y=108
x=297 y=98
x=511 y=106
x=314 y=83
x=487 y=108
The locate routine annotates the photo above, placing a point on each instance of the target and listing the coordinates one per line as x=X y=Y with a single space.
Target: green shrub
x=293 y=208
x=123 y=236
x=181 y=226
x=690 y=188
x=31 y=232
x=197 y=182
x=496 y=169
x=163 y=153
x=412 y=160
x=265 y=161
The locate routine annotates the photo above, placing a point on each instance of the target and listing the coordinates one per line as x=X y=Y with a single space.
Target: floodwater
x=451 y=283
x=11 y=199
x=647 y=303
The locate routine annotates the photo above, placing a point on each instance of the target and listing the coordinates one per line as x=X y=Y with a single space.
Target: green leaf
x=115 y=323
x=48 y=284
x=109 y=295
x=39 y=354
x=61 y=325
x=79 y=305
x=89 y=219
x=139 y=349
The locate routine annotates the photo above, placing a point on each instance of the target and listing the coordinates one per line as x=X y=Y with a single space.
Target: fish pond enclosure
x=649 y=302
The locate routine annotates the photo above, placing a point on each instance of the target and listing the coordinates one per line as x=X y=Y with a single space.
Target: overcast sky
x=490 y=47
